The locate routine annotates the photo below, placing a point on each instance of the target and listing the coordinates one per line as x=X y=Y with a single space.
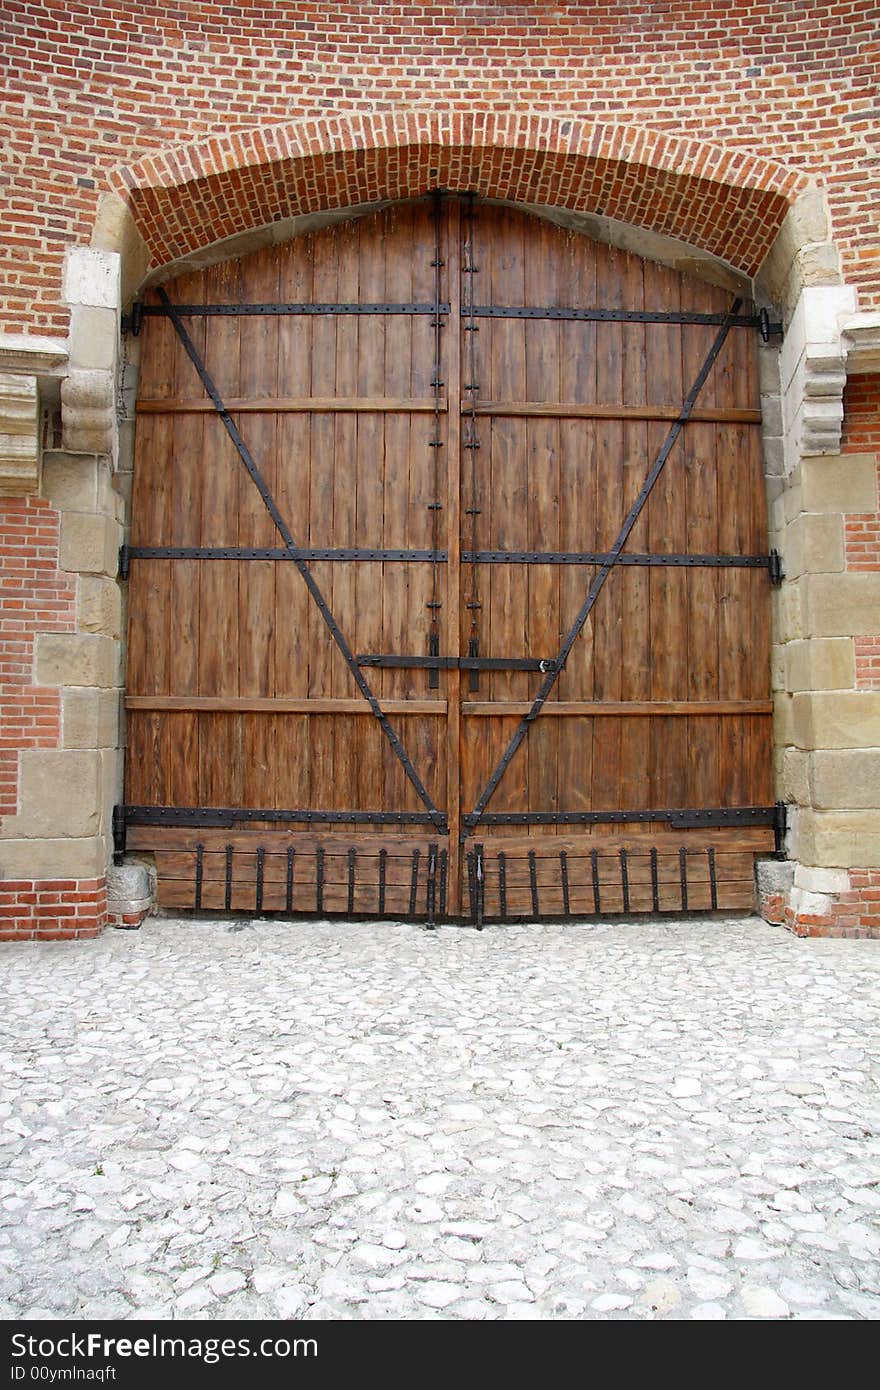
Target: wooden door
x=378 y=470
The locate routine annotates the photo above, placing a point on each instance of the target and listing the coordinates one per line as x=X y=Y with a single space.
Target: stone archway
x=758 y=221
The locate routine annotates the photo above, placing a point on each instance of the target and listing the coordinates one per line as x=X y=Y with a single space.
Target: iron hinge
x=124 y=562
x=777 y=574
x=780 y=826
x=131 y=323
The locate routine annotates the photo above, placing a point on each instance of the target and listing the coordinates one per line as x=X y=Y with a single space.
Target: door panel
x=481 y=446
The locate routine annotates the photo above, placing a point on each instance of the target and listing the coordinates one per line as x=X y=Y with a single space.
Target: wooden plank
x=724 y=840
x=280 y=704
x=572 y=410
x=503 y=462
x=635 y=655
x=293 y=405
x=607 y=618
x=293 y=495
x=542 y=436
x=614 y=708
x=452 y=611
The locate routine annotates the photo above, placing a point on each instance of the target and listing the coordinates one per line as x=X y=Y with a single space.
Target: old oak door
x=448 y=583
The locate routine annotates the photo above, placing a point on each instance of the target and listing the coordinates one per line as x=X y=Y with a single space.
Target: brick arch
x=723 y=201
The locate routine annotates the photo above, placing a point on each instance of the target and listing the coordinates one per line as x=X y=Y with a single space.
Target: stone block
x=836 y=719
x=813 y=545
x=774 y=875
x=821 y=880
x=70 y=481
x=88 y=411
x=99 y=605
x=19 y=434
x=795 y=778
x=788 y=611
x=839 y=839
x=90 y=718
x=59 y=794
x=92 y=277
x=89 y=544
x=822 y=663
x=783 y=724
x=94 y=337
x=839 y=483
x=846 y=779
x=131 y=886
x=76 y=659
x=841 y=605
x=51 y=858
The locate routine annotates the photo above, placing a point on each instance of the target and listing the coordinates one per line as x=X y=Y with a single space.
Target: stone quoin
x=731 y=144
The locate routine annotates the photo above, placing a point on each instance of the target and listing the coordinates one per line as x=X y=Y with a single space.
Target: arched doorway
x=449 y=583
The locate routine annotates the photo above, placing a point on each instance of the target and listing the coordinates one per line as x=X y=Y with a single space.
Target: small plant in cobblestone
x=99 y=1171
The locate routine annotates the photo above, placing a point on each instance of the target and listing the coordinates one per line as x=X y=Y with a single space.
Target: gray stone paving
x=638 y=1120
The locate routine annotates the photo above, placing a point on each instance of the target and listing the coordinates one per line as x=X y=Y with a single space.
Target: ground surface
x=636 y=1120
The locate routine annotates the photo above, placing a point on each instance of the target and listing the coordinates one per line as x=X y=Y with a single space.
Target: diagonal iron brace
x=635 y=511
x=295 y=555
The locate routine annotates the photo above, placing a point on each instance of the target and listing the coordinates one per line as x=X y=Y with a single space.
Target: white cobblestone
x=629 y=1120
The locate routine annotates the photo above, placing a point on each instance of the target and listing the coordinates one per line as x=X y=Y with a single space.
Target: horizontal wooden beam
x=569 y=410
x=619 y=709
x=245 y=704
x=283 y=405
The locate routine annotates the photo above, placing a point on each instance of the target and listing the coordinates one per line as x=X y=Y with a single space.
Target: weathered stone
x=822 y=663
x=91 y=276
x=89 y=718
x=821 y=880
x=842 y=604
x=839 y=839
x=88 y=411
x=70 y=481
x=840 y=483
x=99 y=605
x=813 y=545
x=836 y=719
x=846 y=779
x=94 y=337
x=89 y=543
x=59 y=793
x=795 y=776
x=76 y=659
x=19 y=434
x=773 y=876
x=48 y=858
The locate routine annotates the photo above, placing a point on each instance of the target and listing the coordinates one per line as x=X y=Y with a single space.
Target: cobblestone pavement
x=637 y=1120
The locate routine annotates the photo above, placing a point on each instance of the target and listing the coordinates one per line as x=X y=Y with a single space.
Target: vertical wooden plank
x=452 y=346
x=256 y=594
x=356 y=257
x=220 y=749
x=666 y=532
x=734 y=524
x=501 y=376
x=608 y=613
x=321 y=518
x=293 y=494
x=542 y=384
x=700 y=468
x=188 y=481
x=635 y=581
x=577 y=522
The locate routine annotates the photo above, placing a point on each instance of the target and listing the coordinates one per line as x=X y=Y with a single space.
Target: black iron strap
x=127 y=553
x=596 y=557
x=132 y=322
x=226 y=816
x=598 y=583
x=458 y=663
x=596 y=315
x=437 y=817
x=679 y=818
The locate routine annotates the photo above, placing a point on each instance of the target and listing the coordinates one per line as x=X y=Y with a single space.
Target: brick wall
x=91 y=86
x=34 y=597
x=52 y=910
